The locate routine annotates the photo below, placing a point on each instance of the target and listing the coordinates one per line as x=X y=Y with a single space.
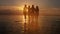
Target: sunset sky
x=40 y=3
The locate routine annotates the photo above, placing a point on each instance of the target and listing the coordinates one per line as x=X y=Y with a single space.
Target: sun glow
x=26 y=19
x=20 y=8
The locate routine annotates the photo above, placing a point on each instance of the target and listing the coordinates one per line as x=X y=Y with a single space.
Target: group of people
x=32 y=12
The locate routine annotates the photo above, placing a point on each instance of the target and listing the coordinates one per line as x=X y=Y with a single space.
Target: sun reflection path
x=25 y=20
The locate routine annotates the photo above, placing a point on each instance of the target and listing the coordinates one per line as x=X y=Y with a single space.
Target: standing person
x=25 y=12
x=32 y=13
x=37 y=13
x=29 y=10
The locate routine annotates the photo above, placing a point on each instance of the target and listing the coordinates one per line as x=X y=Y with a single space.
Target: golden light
x=26 y=19
x=20 y=8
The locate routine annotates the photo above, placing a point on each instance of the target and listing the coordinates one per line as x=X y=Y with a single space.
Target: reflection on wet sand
x=31 y=27
x=30 y=24
x=10 y=24
x=15 y=25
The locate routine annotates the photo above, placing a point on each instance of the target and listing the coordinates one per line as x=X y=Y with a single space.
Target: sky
x=40 y=3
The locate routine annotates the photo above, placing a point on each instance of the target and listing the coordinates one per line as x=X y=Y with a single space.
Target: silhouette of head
x=25 y=5
x=36 y=6
x=32 y=6
x=28 y=6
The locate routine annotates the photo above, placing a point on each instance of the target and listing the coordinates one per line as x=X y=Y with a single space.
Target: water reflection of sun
x=26 y=19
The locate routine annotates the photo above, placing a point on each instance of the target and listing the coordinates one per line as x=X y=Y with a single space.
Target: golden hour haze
x=29 y=16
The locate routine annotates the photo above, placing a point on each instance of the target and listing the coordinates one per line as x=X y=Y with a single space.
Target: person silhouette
x=29 y=13
x=37 y=13
x=32 y=9
x=37 y=10
x=32 y=13
x=25 y=11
